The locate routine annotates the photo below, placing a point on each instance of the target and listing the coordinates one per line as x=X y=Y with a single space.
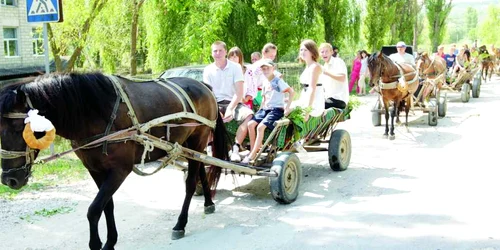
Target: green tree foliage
x=380 y=13
x=485 y=29
x=109 y=46
x=404 y=21
x=342 y=20
x=241 y=28
x=437 y=13
x=181 y=32
x=471 y=22
x=70 y=36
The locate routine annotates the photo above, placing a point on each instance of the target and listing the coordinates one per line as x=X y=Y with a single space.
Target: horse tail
x=220 y=148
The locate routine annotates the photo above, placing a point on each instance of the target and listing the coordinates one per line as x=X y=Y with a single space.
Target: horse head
x=375 y=67
x=423 y=62
x=17 y=157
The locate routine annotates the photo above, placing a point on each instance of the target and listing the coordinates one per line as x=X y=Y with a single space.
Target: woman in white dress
x=312 y=94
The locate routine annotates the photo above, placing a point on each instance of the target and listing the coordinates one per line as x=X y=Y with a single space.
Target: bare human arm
x=290 y=92
x=339 y=76
x=238 y=95
x=316 y=72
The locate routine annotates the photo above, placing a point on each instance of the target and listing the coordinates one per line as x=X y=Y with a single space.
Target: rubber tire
x=376 y=115
x=339 y=150
x=465 y=92
x=476 y=87
x=285 y=187
x=432 y=116
x=442 y=105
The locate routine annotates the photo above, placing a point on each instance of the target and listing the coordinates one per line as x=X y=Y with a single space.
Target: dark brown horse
x=81 y=107
x=385 y=74
x=432 y=69
x=487 y=63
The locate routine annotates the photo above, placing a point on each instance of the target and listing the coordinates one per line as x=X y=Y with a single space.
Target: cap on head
x=401 y=44
x=267 y=62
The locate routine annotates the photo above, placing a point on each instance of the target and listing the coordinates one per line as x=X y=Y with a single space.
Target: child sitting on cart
x=272 y=109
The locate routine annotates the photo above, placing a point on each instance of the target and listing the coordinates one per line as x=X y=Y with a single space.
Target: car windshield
x=196 y=74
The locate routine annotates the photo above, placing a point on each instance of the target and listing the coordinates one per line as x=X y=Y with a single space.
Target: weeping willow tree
x=342 y=20
x=181 y=32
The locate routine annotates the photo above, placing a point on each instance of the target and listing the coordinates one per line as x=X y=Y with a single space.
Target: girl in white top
x=363 y=73
x=312 y=93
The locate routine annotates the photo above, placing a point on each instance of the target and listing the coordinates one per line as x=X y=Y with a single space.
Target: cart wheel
x=199 y=188
x=285 y=187
x=376 y=115
x=465 y=92
x=339 y=150
x=432 y=116
x=442 y=105
x=476 y=87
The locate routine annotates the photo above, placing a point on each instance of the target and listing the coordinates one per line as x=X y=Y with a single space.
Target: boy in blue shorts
x=272 y=109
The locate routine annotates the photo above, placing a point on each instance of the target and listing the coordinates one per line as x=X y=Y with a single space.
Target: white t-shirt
x=223 y=81
x=364 y=65
x=406 y=58
x=333 y=88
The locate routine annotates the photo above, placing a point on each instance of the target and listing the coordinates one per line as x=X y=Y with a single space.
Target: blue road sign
x=43 y=11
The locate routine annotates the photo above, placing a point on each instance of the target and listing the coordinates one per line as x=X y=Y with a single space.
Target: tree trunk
x=55 y=50
x=96 y=8
x=133 y=37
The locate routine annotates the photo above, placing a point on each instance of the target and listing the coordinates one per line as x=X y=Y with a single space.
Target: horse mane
x=69 y=100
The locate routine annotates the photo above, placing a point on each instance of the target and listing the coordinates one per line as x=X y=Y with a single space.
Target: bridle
x=29 y=153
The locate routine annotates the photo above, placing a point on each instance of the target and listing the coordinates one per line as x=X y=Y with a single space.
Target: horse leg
x=209 y=204
x=393 y=114
x=108 y=182
x=386 y=107
x=407 y=110
x=179 y=228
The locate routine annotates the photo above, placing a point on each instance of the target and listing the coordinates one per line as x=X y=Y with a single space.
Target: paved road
x=430 y=188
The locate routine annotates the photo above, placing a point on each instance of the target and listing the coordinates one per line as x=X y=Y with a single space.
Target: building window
x=8 y=2
x=37 y=34
x=10 y=42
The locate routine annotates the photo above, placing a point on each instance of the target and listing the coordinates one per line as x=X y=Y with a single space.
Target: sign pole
x=46 y=48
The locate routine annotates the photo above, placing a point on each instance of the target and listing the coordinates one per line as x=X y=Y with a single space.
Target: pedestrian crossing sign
x=44 y=11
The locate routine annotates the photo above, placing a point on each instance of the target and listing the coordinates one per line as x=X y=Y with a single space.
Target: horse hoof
x=385 y=135
x=178 y=234
x=210 y=209
x=392 y=137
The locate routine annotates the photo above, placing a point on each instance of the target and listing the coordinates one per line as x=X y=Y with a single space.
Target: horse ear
x=380 y=54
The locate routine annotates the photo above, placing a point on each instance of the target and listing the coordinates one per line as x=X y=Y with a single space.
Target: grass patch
x=51 y=212
x=30 y=218
x=61 y=171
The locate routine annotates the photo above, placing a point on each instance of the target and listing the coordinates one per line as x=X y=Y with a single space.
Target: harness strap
x=126 y=100
x=110 y=123
x=175 y=93
x=183 y=92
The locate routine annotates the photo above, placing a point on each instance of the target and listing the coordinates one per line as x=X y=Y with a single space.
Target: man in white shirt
x=334 y=78
x=401 y=56
x=226 y=79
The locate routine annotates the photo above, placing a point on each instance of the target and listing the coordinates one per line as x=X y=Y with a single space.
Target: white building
x=21 y=49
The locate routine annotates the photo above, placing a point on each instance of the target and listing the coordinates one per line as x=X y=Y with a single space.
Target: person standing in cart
x=401 y=56
x=272 y=109
x=226 y=79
